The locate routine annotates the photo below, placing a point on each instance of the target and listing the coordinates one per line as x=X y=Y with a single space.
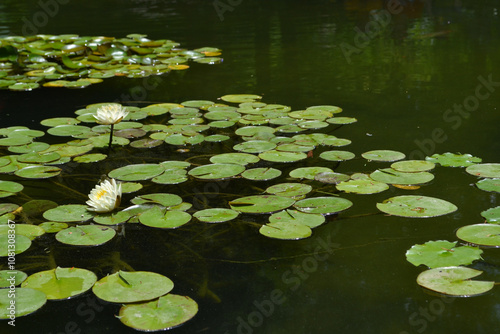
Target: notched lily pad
x=416 y=206
x=442 y=253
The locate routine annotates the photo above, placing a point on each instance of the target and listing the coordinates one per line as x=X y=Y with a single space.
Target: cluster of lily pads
x=447 y=260
x=73 y=61
x=254 y=142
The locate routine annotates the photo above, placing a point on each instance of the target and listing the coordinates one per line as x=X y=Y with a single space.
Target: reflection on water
x=399 y=83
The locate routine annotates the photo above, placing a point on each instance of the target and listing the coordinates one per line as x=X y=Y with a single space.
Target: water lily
x=110 y=114
x=105 y=197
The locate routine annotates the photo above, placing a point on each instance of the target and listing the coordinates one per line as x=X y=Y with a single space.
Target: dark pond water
x=426 y=83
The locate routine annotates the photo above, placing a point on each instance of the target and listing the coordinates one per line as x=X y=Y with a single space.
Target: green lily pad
x=171 y=176
x=159 y=315
x=311 y=220
x=7 y=207
x=454 y=281
x=29 y=148
x=38 y=172
x=112 y=218
x=159 y=198
x=9 y=188
x=331 y=177
x=138 y=172
x=37 y=157
x=216 y=215
x=22 y=243
x=413 y=166
x=162 y=218
x=234 y=158
x=27 y=301
x=454 y=160
x=240 y=98
x=53 y=227
x=285 y=230
x=289 y=189
x=308 y=172
x=61 y=283
x=216 y=171
x=323 y=205
x=392 y=176
x=341 y=120
x=442 y=253
x=480 y=234
x=337 y=155
x=68 y=213
x=416 y=206
x=362 y=186
x=261 y=203
x=383 y=155
x=216 y=138
x=132 y=287
x=484 y=170
x=28 y=230
x=492 y=215
x=278 y=156
x=88 y=158
x=261 y=174
x=254 y=146
x=11 y=277
x=489 y=185
x=56 y=121
x=86 y=235
x=15 y=141
x=69 y=130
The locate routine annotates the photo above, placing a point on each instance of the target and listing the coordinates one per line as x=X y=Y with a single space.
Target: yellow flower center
x=100 y=193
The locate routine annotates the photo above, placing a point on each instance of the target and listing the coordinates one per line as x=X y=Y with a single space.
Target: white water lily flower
x=105 y=197
x=110 y=114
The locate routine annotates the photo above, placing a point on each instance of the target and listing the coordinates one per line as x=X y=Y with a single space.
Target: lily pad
x=234 y=158
x=413 y=166
x=61 y=283
x=481 y=234
x=261 y=203
x=254 y=146
x=136 y=172
x=484 y=170
x=9 y=188
x=28 y=230
x=261 y=174
x=86 y=235
x=392 y=176
x=162 y=218
x=362 y=186
x=311 y=220
x=216 y=171
x=53 y=227
x=331 y=177
x=132 y=287
x=68 y=213
x=10 y=278
x=455 y=281
x=279 y=156
x=442 y=253
x=453 y=160
x=383 y=155
x=240 y=98
x=492 y=215
x=27 y=301
x=489 y=185
x=323 y=205
x=159 y=315
x=216 y=215
x=22 y=243
x=308 y=172
x=289 y=189
x=285 y=230
x=337 y=155
x=163 y=199
x=38 y=172
x=416 y=206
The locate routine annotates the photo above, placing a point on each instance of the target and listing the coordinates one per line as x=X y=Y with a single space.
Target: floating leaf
x=489 y=185
x=159 y=315
x=85 y=235
x=323 y=205
x=453 y=160
x=27 y=301
x=159 y=198
x=391 y=176
x=161 y=218
x=416 y=206
x=132 y=287
x=234 y=158
x=362 y=186
x=22 y=243
x=240 y=98
x=68 y=213
x=215 y=215
x=38 y=172
x=261 y=174
x=30 y=231
x=261 y=203
x=61 y=283
x=53 y=227
x=285 y=230
x=383 y=155
x=289 y=189
x=455 y=281
x=10 y=278
x=413 y=166
x=254 y=146
x=311 y=220
x=492 y=215
x=9 y=188
x=336 y=155
x=277 y=156
x=331 y=177
x=481 y=234
x=308 y=172
x=484 y=170
x=442 y=253
x=216 y=171
x=136 y=172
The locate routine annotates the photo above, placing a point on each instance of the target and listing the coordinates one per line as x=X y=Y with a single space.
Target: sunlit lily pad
x=61 y=283
x=254 y=146
x=85 y=235
x=308 y=172
x=36 y=157
x=485 y=170
x=68 y=130
x=261 y=174
x=22 y=243
x=11 y=277
x=455 y=281
x=163 y=314
x=38 y=172
x=162 y=218
x=289 y=189
x=28 y=148
x=277 y=156
x=68 y=213
x=341 y=120
x=416 y=206
x=413 y=166
x=88 y=158
x=132 y=287
x=311 y=220
x=216 y=171
x=136 y=172
x=240 y=98
x=442 y=253
x=112 y=218
x=481 y=234
x=286 y=230
x=362 y=186
x=261 y=203
x=383 y=155
x=391 y=176
x=163 y=199
x=323 y=205
x=234 y=158
x=171 y=176
x=27 y=301
x=53 y=227
x=337 y=155
x=215 y=215
x=331 y=177
x=52 y=122
x=492 y=215
x=9 y=188
x=28 y=230
x=489 y=185
x=454 y=160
